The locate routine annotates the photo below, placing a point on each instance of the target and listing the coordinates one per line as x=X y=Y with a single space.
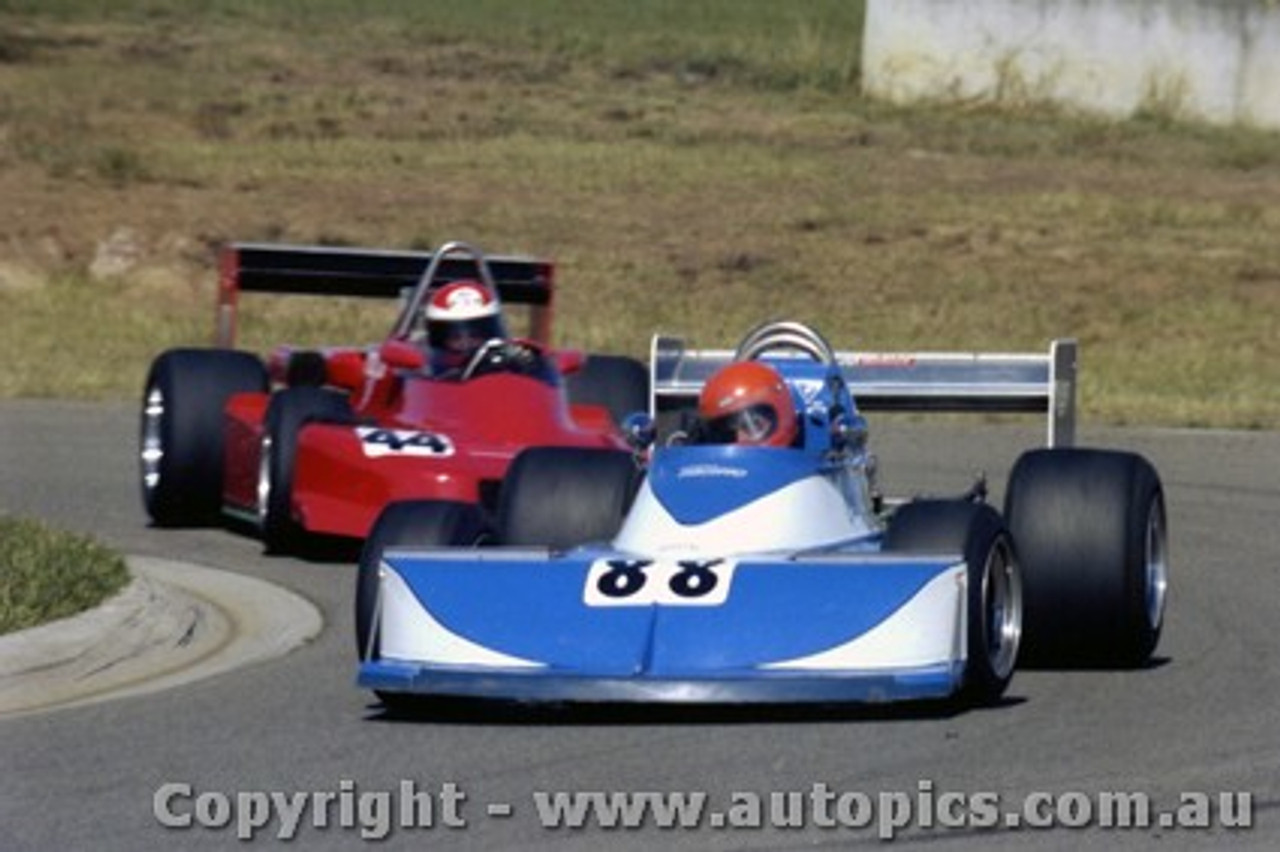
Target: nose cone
x=659 y=624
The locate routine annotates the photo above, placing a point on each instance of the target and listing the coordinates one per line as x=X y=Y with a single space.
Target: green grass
x=46 y=574
x=694 y=167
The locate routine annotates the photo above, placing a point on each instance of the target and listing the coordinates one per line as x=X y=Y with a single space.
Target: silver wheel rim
x=1157 y=567
x=152 y=451
x=1002 y=609
x=264 y=480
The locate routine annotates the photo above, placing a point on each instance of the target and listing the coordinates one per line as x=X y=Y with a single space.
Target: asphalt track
x=1203 y=719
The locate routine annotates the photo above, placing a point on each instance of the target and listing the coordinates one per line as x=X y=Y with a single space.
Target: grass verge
x=46 y=574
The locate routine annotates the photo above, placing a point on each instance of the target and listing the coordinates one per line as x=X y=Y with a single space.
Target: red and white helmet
x=461 y=316
x=462 y=300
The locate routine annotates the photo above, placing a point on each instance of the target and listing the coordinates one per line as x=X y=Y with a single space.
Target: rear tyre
x=422 y=523
x=307 y=368
x=288 y=412
x=181 y=430
x=1091 y=530
x=560 y=497
x=994 y=588
x=617 y=383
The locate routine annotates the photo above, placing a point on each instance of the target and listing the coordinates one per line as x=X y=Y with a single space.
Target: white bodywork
x=930 y=628
x=818 y=511
x=410 y=632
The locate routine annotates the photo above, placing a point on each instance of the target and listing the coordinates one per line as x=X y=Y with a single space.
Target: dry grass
x=704 y=167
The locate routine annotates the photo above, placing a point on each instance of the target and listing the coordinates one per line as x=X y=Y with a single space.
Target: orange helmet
x=747 y=402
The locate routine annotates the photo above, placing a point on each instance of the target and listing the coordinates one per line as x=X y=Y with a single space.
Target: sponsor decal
x=886 y=360
x=692 y=471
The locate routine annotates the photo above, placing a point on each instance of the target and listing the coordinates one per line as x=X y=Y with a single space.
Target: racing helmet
x=747 y=402
x=461 y=316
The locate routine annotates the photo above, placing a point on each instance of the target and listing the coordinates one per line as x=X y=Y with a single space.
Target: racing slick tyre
x=181 y=430
x=617 y=383
x=306 y=368
x=559 y=497
x=288 y=412
x=415 y=523
x=1090 y=528
x=994 y=588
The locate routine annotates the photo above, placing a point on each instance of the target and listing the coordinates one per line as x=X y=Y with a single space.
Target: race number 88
x=641 y=582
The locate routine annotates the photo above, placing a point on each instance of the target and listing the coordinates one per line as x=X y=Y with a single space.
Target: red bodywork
x=416 y=437
x=419 y=438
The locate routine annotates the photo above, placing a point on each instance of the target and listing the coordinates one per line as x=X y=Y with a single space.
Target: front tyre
x=1091 y=529
x=560 y=497
x=408 y=523
x=181 y=430
x=288 y=412
x=994 y=596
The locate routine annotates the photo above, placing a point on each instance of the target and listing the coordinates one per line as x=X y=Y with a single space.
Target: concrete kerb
x=174 y=623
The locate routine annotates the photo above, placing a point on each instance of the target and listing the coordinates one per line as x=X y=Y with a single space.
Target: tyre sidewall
x=289 y=411
x=972 y=530
x=196 y=385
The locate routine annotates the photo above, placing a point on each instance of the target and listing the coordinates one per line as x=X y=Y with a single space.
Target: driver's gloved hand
x=523 y=358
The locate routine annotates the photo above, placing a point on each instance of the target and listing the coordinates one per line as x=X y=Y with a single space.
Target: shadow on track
x=470 y=711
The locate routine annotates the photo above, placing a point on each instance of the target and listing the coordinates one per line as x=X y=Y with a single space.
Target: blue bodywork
x=559 y=627
x=776 y=611
x=728 y=478
x=918 y=684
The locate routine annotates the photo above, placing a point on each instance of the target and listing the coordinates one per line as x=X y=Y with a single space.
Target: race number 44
x=377 y=442
x=669 y=582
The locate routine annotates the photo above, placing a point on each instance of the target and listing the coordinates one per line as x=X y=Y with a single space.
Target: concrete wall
x=1212 y=60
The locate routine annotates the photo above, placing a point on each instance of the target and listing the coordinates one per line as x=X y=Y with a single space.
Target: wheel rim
x=1002 y=609
x=264 y=480
x=1157 y=568
x=152 y=450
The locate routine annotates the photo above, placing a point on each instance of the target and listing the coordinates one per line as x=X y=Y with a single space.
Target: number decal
x=669 y=582
x=377 y=442
x=694 y=579
x=622 y=578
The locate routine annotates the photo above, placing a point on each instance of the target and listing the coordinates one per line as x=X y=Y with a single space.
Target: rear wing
x=899 y=381
x=368 y=273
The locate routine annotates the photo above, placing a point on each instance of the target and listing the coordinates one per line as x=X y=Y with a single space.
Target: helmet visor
x=464 y=335
x=751 y=425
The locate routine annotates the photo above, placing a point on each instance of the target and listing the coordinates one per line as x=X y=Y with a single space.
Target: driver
x=747 y=403
x=461 y=317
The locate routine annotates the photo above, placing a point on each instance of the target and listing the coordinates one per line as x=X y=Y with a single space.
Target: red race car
x=319 y=440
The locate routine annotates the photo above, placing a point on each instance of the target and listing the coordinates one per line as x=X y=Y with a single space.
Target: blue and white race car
x=710 y=566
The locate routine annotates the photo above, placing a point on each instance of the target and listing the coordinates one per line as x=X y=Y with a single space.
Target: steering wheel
x=498 y=353
x=488 y=357
x=787 y=336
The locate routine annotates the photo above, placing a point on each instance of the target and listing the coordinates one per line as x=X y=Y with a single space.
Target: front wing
x=597 y=626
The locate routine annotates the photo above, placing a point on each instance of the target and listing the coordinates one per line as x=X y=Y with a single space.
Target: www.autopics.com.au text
x=411 y=806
